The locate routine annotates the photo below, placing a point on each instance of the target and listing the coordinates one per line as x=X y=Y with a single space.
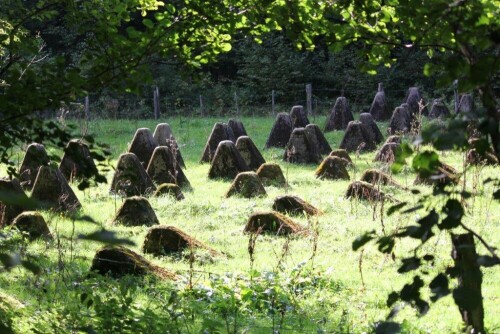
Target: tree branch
x=488 y=247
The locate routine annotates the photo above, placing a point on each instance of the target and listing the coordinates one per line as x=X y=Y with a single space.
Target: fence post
x=236 y=103
x=309 y=98
x=166 y=104
x=201 y=106
x=315 y=108
x=156 y=102
x=455 y=91
x=272 y=103
x=87 y=108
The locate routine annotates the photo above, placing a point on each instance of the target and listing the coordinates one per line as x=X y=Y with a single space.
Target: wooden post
x=272 y=103
x=468 y=294
x=156 y=102
x=309 y=99
x=315 y=109
x=236 y=103
x=380 y=87
x=201 y=106
x=87 y=108
x=455 y=91
x=166 y=105
x=155 y=111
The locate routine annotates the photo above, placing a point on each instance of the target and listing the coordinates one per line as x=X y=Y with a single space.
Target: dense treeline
x=56 y=52
x=243 y=77
x=251 y=71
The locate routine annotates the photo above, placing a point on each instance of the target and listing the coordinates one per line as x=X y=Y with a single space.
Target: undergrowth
x=313 y=283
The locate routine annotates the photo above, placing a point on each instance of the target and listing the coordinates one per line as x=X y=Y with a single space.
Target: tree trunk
x=468 y=294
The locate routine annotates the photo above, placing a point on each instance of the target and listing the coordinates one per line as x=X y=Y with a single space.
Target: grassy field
x=307 y=284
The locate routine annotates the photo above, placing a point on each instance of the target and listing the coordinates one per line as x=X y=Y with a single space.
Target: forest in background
x=56 y=51
x=241 y=76
x=245 y=77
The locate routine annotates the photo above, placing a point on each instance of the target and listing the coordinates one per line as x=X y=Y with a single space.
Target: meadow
x=313 y=283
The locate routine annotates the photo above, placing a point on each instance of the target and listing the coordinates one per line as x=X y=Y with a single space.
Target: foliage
x=114 y=42
x=220 y=303
x=465 y=43
x=55 y=51
x=113 y=45
x=443 y=210
x=252 y=70
x=332 y=297
x=9 y=310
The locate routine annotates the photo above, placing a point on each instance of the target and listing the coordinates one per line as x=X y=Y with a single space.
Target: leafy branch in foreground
x=444 y=210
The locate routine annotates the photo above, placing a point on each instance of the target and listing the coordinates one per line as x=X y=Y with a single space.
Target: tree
x=463 y=43
x=463 y=39
x=53 y=52
x=462 y=36
x=112 y=44
x=116 y=40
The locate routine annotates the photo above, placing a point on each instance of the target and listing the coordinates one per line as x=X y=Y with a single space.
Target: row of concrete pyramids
x=165 y=240
x=76 y=163
x=153 y=159
x=380 y=109
x=299 y=138
x=49 y=184
x=305 y=144
x=402 y=118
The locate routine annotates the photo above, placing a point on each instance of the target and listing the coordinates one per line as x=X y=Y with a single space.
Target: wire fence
x=316 y=100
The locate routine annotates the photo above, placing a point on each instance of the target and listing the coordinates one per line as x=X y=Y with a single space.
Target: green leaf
x=148 y=23
x=226 y=47
x=403 y=151
x=426 y=162
x=429 y=69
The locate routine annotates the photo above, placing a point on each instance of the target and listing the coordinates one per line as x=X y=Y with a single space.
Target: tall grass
x=319 y=274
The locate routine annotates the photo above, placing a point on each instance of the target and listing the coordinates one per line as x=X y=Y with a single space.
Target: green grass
x=336 y=299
